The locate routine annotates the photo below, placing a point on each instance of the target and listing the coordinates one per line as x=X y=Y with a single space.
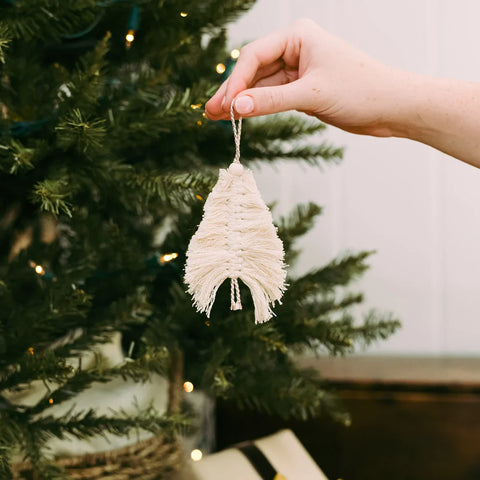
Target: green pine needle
x=83 y=134
x=4 y=41
x=52 y=196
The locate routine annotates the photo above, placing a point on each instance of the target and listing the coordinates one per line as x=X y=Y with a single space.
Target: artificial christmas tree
x=105 y=162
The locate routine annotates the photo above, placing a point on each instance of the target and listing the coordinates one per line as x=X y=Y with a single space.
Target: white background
x=418 y=208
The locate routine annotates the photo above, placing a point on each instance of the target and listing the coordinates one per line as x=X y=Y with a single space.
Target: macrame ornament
x=236 y=239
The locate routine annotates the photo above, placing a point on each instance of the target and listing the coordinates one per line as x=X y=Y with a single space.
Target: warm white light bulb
x=39 y=270
x=196 y=455
x=188 y=387
x=220 y=68
x=168 y=257
x=235 y=53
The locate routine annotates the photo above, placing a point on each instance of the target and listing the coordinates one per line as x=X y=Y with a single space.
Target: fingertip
x=244 y=104
x=213 y=113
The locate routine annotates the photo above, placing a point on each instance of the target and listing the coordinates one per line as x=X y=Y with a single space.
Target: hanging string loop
x=237 y=131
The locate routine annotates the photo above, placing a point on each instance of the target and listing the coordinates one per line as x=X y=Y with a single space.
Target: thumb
x=266 y=100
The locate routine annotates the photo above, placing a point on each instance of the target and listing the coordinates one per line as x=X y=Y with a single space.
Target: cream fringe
x=236 y=239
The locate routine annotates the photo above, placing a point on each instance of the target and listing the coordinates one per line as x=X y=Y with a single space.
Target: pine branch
x=175 y=189
x=376 y=326
x=280 y=127
x=340 y=337
x=10 y=433
x=289 y=393
x=138 y=370
x=156 y=113
x=45 y=366
x=16 y=158
x=317 y=308
x=88 y=81
x=47 y=19
x=81 y=133
x=96 y=327
x=5 y=454
x=215 y=13
x=52 y=196
x=338 y=272
x=43 y=319
x=85 y=424
x=4 y=41
x=298 y=223
x=311 y=154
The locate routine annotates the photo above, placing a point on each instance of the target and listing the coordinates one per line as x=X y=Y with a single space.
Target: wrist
x=411 y=106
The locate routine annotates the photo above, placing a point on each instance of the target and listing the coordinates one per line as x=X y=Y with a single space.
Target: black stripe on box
x=259 y=461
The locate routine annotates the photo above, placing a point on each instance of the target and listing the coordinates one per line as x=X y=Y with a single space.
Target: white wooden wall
x=418 y=208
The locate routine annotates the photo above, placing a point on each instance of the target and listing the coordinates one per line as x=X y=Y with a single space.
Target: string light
x=204 y=115
x=198 y=197
x=39 y=270
x=129 y=38
x=31 y=351
x=196 y=455
x=132 y=26
x=235 y=53
x=168 y=257
x=183 y=14
x=188 y=387
x=207 y=323
x=50 y=400
x=220 y=68
x=199 y=122
x=195 y=106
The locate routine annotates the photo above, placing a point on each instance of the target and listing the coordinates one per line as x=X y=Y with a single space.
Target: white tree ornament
x=236 y=239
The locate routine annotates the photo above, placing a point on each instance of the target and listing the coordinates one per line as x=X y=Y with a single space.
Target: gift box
x=277 y=457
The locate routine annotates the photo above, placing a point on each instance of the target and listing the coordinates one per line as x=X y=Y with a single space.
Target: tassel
x=236 y=239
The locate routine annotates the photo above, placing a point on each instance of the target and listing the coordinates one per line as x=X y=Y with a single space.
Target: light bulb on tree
x=39 y=270
x=196 y=455
x=188 y=387
x=129 y=38
x=168 y=257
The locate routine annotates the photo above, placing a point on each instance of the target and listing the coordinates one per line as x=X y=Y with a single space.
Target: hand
x=305 y=68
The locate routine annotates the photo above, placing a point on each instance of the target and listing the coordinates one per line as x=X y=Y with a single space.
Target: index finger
x=253 y=56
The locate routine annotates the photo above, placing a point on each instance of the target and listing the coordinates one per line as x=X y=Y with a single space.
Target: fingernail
x=244 y=104
x=223 y=102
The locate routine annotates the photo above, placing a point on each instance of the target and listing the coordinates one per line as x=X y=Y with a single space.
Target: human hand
x=305 y=68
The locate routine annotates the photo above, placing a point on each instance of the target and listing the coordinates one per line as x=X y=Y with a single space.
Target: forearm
x=442 y=113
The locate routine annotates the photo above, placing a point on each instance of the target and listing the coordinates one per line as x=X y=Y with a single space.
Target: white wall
x=418 y=208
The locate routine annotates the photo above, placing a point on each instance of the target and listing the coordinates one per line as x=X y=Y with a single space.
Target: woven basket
x=154 y=459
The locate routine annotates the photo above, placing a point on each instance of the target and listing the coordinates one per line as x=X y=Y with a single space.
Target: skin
x=305 y=68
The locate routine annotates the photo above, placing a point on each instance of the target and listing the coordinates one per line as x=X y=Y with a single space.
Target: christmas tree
x=106 y=159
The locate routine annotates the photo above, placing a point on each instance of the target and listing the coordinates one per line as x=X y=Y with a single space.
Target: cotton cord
x=237 y=132
x=235 y=302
